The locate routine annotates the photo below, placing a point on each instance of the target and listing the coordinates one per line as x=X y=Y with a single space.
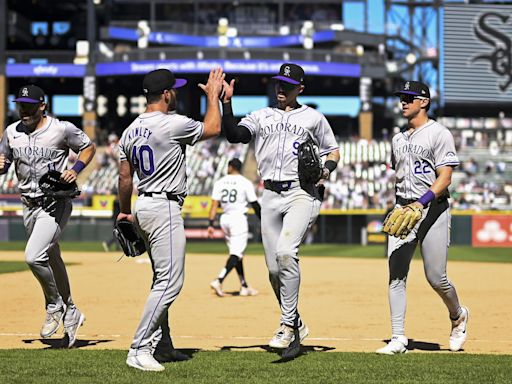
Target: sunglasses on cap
x=410 y=98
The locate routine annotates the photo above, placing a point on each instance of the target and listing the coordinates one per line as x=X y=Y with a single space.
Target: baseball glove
x=128 y=238
x=52 y=186
x=401 y=220
x=310 y=164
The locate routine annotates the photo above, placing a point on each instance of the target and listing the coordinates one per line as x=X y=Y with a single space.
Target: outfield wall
x=355 y=227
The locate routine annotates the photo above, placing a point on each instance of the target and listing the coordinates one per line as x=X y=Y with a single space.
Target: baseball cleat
x=143 y=360
x=397 y=344
x=217 y=287
x=170 y=356
x=73 y=319
x=284 y=336
x=248 y=291
x=52 y=322
x=458 y=335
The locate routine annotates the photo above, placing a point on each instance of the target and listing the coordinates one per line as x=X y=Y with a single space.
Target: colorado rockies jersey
x=278 y=134
x=154 y=144
x=45 y=149
x=234 y=192
x=416 y=156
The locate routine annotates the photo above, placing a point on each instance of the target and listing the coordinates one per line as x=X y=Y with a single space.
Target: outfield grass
x=108 y=366
x=13 y=266
x=456 y=252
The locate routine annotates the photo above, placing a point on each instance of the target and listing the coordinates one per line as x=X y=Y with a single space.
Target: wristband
x=210 y=223
x=331 y=165
x=227 y=108
x=78 y=167
x=427 y=198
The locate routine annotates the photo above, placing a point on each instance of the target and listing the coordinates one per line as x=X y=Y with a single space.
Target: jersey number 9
x=142 y=158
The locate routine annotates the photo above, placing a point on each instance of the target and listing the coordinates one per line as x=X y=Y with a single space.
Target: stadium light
x=337 y=27
x=307 y=31
x=284 y=30
x=200 y=55
x=411 y=58
x=143 y=30
x=359 y=50
x=82 y=52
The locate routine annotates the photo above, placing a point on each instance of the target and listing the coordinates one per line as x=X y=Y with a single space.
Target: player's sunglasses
x=286 y=86
x=28 y=108
x=408 y=99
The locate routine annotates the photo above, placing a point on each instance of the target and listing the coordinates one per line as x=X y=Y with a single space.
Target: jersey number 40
x=142 y=158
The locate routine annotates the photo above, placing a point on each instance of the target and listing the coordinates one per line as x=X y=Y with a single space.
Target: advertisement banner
x=196 y=206
x=492 y=231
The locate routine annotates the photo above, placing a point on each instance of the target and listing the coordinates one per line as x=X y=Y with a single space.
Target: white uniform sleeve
x=185 y=130
x=216 y=193
x=251 y=195
x=444 y=150
x=75 y=138
x=325 y=137
x=251 y=122
x=5 y=148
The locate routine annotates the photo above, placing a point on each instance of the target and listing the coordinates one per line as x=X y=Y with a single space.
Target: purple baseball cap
x=290 y=73
x=30 y=94
x=160 y=80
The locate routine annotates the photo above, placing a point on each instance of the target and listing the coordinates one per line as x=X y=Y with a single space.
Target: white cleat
x=458 y=335
x=397 y=344
x=73 y=319
x=217 y=287
x=52 y=322
x=248 y=291
x=143 y=360
x=284 y=336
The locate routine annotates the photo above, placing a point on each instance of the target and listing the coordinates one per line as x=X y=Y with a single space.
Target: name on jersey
x=35 y=152
x=139 y=132
x=412 y=148
x=272 y=129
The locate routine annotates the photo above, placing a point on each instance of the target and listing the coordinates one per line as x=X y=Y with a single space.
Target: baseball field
x=343 y=300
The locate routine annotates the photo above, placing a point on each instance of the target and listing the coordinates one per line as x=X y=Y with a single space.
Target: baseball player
x=154 y=147
x=288 y=208
x=233 y=192
x=36 y=144
x=423 y=157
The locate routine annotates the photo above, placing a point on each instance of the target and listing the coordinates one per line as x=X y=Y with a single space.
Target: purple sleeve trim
x=78 y=167
x=427 y=198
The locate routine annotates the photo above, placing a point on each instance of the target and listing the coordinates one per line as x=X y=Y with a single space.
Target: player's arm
x=211 y=217
x=212 y=88
x=84 y=158
x=331 y=162
x=5 y=155
x=125 y=188
x=234 y=132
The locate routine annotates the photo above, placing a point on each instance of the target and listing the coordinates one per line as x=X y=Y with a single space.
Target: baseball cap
x=290 y=73
x=160 y=80
x=30 y=94
x=235 y=163
x=414 y=88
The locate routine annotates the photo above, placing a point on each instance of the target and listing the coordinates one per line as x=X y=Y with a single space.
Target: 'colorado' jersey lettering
x=278 y=134
x=416 y=156
x=154 y=144
x=45 y=149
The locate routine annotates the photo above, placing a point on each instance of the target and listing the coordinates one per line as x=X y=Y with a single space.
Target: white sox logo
x=24 y=92
x=501 y=56
x=287 y=71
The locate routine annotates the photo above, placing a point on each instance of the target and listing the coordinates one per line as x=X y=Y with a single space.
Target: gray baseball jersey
x=45 y=149
x=416 y=156
x=286 y=216
x=277 y=135
x=154 y=144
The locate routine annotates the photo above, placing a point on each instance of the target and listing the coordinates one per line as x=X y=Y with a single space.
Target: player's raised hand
x=210 y=230
x=213 y=86
x=2 y=161
x=228 y=90
x=124 y=216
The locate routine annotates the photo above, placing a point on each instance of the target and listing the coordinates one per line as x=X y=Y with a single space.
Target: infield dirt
x=343 y=301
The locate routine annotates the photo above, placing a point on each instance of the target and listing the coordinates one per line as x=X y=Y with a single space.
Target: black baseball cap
x=290 y=73
x=160 y=80
x=414 y=88
x=235 y=163
x=30 y=94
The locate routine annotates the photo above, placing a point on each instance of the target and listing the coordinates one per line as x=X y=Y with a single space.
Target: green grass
x=456 y=252
x=12 y=266
x=108 y=366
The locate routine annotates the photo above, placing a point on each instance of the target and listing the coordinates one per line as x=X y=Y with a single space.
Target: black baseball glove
x=310 y=164
x=52 y=186
x=128 y=238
